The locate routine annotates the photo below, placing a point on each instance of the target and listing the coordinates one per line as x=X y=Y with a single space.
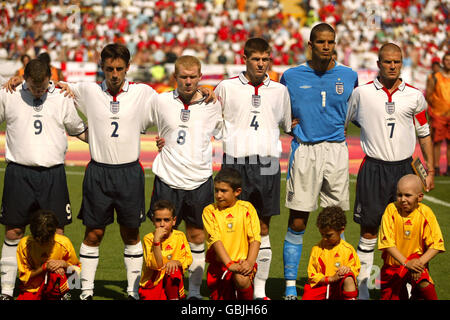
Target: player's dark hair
x=321 y=27
x=332 y=217
x=37 y=70
x=253 y=45
x=45 y=57
x=43 y=224
x=161 y=205
x=115 y=51
x=230 y=176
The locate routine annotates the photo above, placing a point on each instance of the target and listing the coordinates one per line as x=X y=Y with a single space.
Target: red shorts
x=336 y=292
x=220 y=282
x=440 y=127
x=171 y=287
x=52 y=289
x=395 y=278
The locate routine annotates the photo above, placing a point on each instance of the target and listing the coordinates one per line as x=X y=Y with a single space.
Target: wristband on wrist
x=327 y=281
x=228 y=265
x=44 y=266
x=156 y=244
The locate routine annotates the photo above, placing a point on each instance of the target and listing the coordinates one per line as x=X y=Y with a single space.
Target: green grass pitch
x=110 y=280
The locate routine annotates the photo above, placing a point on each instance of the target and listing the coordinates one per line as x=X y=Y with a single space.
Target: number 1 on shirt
x=324 y=98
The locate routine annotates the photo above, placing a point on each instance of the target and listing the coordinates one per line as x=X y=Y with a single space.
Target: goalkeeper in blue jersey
x=318 y=164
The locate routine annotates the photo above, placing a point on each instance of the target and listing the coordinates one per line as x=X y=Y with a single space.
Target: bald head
x=410 y=181
x=388 y=47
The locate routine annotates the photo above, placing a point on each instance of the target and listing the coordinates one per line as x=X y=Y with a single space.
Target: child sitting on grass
x=166 y=256
x=409 y=237
x=333 y=263
x=43 y=259
x=233 y=239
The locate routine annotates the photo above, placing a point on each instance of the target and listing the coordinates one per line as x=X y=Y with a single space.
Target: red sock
x=427 y=293
x=245 y=294
x=350 y=295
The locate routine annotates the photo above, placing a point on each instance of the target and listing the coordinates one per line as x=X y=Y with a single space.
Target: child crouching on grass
x=43 y=259
x=409 y=237
x=166 y=256
x=233 y=239
x=333 y=264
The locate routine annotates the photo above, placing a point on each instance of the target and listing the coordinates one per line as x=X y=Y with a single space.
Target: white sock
x=89 y=261
x=365 y=253
x=133 y=258
x=196 y=269
x=8 y=266
x=263 y=260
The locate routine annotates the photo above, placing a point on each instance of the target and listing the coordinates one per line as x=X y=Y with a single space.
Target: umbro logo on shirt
x=305 y=86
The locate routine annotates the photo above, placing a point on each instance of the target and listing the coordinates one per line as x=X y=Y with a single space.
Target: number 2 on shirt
x=116 y=127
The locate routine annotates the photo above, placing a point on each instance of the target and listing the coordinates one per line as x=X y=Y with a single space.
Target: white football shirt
x=115 y=122
x=388 y=121
x=2 y=80
x=185 y=162
x=36 y=128
x=252 y=116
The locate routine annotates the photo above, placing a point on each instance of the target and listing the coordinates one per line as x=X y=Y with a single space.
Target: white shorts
x=315 y=170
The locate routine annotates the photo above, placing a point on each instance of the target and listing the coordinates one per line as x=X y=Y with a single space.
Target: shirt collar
x=244 y=80
x=176 y=95
x=379 y=85
x=125 y=86
x=51 y=86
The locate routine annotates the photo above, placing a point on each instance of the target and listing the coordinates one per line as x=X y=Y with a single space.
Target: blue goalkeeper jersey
x=319 y=101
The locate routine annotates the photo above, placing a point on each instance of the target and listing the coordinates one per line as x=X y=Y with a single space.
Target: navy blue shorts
x=376 y=187
x=27 y=189
x=113 y=187
x=189 y=204
x=261 y=178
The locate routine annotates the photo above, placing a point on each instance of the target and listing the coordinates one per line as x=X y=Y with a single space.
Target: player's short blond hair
x=187 y=62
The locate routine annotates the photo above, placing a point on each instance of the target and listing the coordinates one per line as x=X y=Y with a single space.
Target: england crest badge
x=390 y=107
x=339 y=87
x=185 y=115
x=114 y=106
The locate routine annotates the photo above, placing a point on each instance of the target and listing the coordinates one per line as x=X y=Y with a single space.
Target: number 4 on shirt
x=254 y=123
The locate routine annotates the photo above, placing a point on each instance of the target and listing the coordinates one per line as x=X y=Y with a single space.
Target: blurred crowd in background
x=158 y=31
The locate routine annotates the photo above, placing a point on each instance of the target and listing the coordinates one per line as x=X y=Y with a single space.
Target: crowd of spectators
x=158 y=31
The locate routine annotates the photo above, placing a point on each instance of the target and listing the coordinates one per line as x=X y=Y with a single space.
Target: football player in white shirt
x=183 y=169
x=253 y=108
x=389 y=113
x=37 y=117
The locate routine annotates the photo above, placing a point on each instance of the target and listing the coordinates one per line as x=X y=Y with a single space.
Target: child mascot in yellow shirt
x=43 y=260
x=409 y=237
x=167 y=255
x=333 y=263
x=233 y=240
